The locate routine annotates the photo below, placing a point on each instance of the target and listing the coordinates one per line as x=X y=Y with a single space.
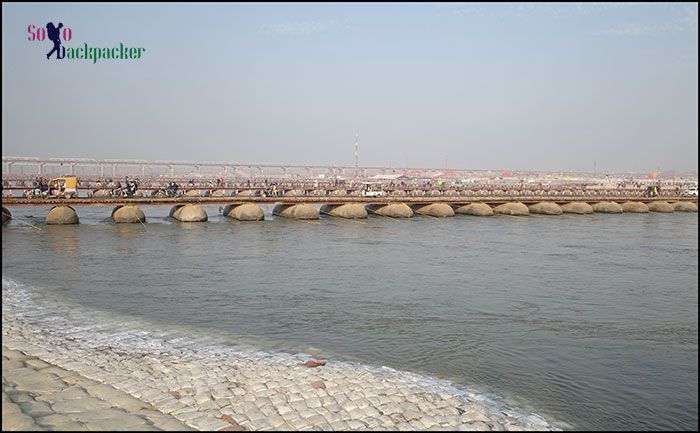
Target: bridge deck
x=456 y=200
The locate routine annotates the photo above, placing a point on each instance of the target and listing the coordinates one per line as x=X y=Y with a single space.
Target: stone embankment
x=104 y=378
x=37 y=395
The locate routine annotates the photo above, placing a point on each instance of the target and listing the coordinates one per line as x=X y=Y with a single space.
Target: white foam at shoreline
x=89 y=331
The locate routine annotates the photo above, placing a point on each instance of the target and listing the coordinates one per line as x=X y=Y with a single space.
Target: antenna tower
x=356 y=139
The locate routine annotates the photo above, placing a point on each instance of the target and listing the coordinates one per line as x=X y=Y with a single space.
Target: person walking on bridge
x=117 y=190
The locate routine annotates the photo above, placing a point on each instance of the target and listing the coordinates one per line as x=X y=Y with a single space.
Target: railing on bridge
x=31 y=166
x=407 y=192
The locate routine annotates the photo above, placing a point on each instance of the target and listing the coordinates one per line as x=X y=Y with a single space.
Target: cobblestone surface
x=39 y=396
x=89 y=377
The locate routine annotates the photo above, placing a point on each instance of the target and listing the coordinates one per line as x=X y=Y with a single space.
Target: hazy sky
x=516 y=86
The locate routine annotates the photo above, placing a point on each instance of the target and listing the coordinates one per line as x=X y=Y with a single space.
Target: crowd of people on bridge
x=116 y=189
x=41 y=187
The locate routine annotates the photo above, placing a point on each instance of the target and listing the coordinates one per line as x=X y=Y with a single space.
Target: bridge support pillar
x=62 y=214
x=634 y=207
x=546 y=208
x=517 y=209
x=607 y=207
x=685 y=206
x=392 y=210
x=577 y=207
x=660 y=206
x=349 y=211
x=476 y=209
x=128 y=214
x=439 y=210
x=244 y=212
x=296 y=211
x=188 y=213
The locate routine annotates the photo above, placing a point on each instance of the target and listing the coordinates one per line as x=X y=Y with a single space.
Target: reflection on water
x=587 y=319
x=130 y=230
x=189 y=225
x=62 y=239
x=64 y=262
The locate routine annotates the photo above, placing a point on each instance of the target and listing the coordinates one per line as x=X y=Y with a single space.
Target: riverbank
x=37 y=395
x=209 y=387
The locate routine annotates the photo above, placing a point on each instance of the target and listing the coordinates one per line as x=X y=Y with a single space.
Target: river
x=589 y=320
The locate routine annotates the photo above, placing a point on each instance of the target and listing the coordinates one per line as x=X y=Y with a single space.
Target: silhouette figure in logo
x=55 y=35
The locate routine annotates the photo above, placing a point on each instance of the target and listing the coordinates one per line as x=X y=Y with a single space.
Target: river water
x=590 y=321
